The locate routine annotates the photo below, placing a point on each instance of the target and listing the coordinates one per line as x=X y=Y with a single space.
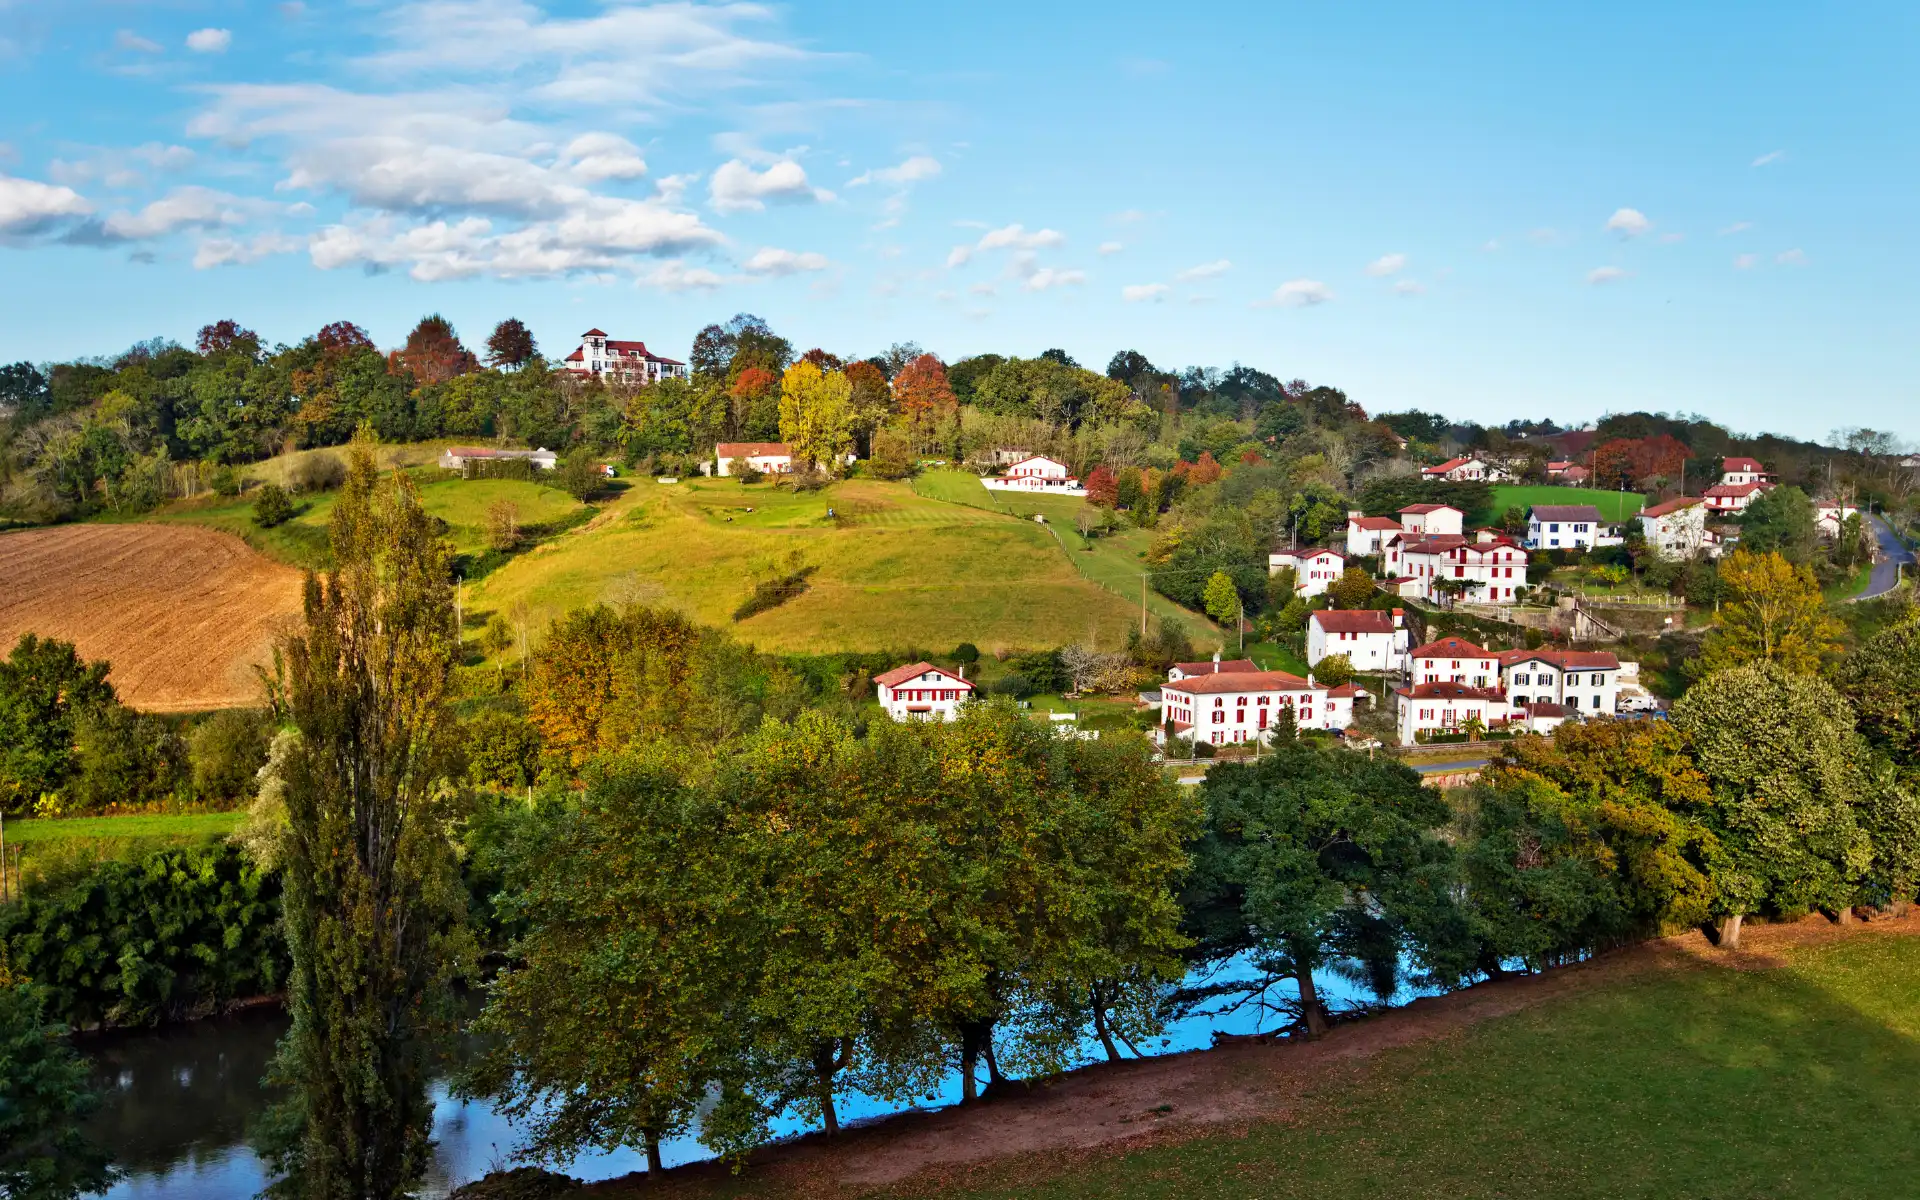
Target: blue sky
x=1522 y=210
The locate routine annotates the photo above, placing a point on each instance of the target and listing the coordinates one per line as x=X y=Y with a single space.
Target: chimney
x=1310 y=682
x=1399 y=617
x=1216 y=662
x=963 y=672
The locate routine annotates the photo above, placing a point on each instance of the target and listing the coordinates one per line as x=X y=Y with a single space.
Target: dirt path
x=1115 y=1106
x=182 y=613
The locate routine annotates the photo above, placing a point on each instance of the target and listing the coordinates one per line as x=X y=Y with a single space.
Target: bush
x=578 y=475
x=772 y=593
x=271 y=506
x=1044 y=670
x=503 y=750
x=227 y=481
x=321 y=472
x=966 y=652
x=1202 y=749
x=1012 y=684
x=745 y=471
x=227 y=751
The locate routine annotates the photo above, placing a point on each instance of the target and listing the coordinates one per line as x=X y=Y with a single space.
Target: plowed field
x=182 y=613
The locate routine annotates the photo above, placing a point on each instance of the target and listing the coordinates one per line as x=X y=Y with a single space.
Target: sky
x=1494 y=211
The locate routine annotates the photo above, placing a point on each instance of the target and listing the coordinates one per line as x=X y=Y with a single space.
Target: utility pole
x=1143 y=606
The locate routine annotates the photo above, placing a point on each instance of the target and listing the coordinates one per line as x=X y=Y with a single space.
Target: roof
x=1446 y=466
x=1724 y=491
x=490 y=452
x=1347 y=690
x=1576 y=470
x=1353 y=620
x=751 y=449
x=1373 y=523
x=1231 y=666
x=1307 y=552
x=1436 y=544
x=1670 y=506
x=594 y=333
x=1451 y=647
x=1740 y=464
x=1240 y=681
x=900 y=675
x=1559 y=464
x=1546 y=708
x=640 y=348
x=1448 y=691
x=1428 y=508
x=1567 y=512
x=576 y=356
x=1566 y=660
x=1037 y=458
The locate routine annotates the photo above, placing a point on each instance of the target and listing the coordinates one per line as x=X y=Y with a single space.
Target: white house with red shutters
x=1037 y=474
x=1314 y=568
x=1371 y=639
x=1447 y=708
x=1464 y=470
x=1491 y=568
x=1743 y=470
x=1726 y=499
x=922 y=692
x=1427 y=520
x=1583 y=681
x=1454 y=660
x=602 y=357
x=1365 y=534
x=1235 y=707
x=768 y=458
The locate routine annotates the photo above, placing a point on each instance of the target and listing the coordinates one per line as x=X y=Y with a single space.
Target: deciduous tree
x=511 y=344
x=1221 y=598
x=1774 y=613
x=816 y=420
x=1354 y=589
x=433 y=352
x=44 y=1094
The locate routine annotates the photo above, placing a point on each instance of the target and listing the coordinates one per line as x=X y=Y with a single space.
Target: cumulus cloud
x=1745 y=262
x=209 y=41
x=28 y=206
x=737 y=187
x=1791 y=258
x=1628 y=222
x=1769 y=158
x=913 y=170
x=1043 y=278
x=127 y=39
x=1606 y=275
x=1205 y=271
x=227 y=252
x=597 y=157
x=772 y=261
x=1297 y=293
x=1017 y=237
x=183 y=208
x=1107 y=248
x=1133 y=293
x=1387 y=264
x=120 y=168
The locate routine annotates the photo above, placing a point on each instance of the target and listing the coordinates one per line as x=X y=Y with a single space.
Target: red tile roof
x=594 y=333
x=1230 y=666
x=1449 y=691
x=1353 y=620
x=1373 y=523
x=1255 y=681
x=1667 y=506
x=1725 y=491
x=1546 y=708
x=731 y=450
x=1427 y=508
x=1309 y=552
x=1446 y=466
x=1347 y=690
x=1740 y=464
x=900 y=675
x=1566 y=660
x=1451 y=647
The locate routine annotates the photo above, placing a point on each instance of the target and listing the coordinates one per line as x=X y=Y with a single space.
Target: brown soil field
x=182 y=613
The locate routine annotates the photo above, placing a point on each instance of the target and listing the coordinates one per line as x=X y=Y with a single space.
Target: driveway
x=1886 y=572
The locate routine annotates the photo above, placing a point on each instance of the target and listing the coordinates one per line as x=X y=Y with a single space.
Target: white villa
x=1677 y=529
x=769 y=458
x=1371 y=639
x=1233 y=707
x=1365 y=534
x=1455 y=660
x=1447 y=708
x=1492 y=567
x=629 y=362
x=1464 y=470
x=1431 y=519
x=1584 y=681
x=1038 y=474
x=1563 y=526
x=1737 y=471
x=1726 y=499
x=1232 y=666
x=1454 y=682
x=1314 y=568
x=922 y=692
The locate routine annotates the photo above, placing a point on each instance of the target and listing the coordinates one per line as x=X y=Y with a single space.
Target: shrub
x=271 y=507
x=1202 y=749
x=1012 y=684
x=227 y=751
x=320 y=472
x=966 y=652
x=745 y=471
x=227 y=481
x=772 y=593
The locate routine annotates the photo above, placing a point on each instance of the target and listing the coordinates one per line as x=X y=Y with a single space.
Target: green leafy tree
x=374 y=910
x=1334 y=670
x=1774 y=613
x=46 y=688
x=816 y=418
x=271 y=506
x=1221 y=598
x=44 y=1094
x=1538 y=889
x=1780 y=521
x=1881 y=679
x=1354 y=589
x=579 y=474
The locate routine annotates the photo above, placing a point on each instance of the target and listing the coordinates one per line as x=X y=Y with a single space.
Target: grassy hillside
x=894 y=568
x=1614 y=506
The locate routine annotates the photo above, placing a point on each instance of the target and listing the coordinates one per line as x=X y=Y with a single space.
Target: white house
x=628 y=362
x=1234 y=707
x=922 y=692
x=1364 y=533
x=769 y=458
x=1493 y=569
x=1431 y=519
x=1563 y=526
x=1232 y=666
x=1037 y=474
x=1464 y=470
x=1314 y=568
x=1736 y=471
x=1583 y=681
x=1830 y=515
x=1455 y=660
x=1677 y=529
x=1541 y=717
x=1371 y=639
x=456 y=458
x=1443 y=707
x=1725 y=499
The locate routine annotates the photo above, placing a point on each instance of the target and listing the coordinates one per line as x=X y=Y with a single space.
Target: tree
x=46 y=689
x=870 y=401
x=1354 y=589
x=816 y=419
x=1334 y=670
x=1221 y=598
x=373 y=903
x=1881 y=679
x=271 y=506
x=1774 y=613
x=511 y=344
x=1780 y=521
x=434 y=353
x=44 y=1093
x=1103 y=488
x=579 y=474
x=923 y=392
x=1314 y=856
x=892 y=454
x=503 y=525
x=1786 y=768
x=226 y=336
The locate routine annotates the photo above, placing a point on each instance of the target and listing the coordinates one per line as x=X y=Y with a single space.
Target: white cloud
x=1387 y=264
x=183 y=208
x=1205 y=271
x=1133 y=293
x=737 y=187
x=1297 y=293
x=1746 y=262
x=982 y=289
x=1128 y=216
x=1043 y=278
x=771 y=261
x=958 y=256
x=121 y=168
x=1769 y=158
x=1791 y=258
x=1107 y=248
x=226 y=252
x=1017 y=237
x=1408 y=287
x=1628 y=222
x=127 y=39
x=29 y=206
x=913 y=170
x=209 y=41
x=1736 y=227
x=597 y=157
x=1606 y=274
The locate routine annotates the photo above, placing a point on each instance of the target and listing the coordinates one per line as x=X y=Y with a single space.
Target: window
x=1219 y=718
x=1596 y=701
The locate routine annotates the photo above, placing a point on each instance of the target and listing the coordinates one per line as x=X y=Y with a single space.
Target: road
x=1886 y=572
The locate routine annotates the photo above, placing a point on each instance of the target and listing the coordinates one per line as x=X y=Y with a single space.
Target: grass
x=1614 y=506
x=192 y=825
x=1272 y=656
x=1849 y=585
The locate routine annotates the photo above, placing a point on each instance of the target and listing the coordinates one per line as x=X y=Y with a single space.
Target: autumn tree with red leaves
x=434 y=353
x=342 y=336
x=222 y=336
x=1206 y=470
x=1103 y=487
x=1629 y=462
x=924 y=394
x=511 y=344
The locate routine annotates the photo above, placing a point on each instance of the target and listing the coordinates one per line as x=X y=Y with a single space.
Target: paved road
x=1448 y=768
x=1886 y=572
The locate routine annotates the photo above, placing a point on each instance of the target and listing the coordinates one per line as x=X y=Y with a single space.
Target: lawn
x=1614 y=506
x=187 y=825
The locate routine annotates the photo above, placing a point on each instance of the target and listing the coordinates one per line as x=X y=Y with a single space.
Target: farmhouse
x=1187 y=670
x=1447 y=708
x=770 y=458
x=1371 y=639
x=1489 y=570
x=629 y=362
x=1737 y=471
x=1431 y=519
x=1728 y=498
x=1241 y=706
x=456 y=458
x=1584 y=681
x=1364 y=533
x=1830 y=515
x=1455 y=660
x=1314 y=568
x=1563 y=526
x=922 y=692
x=1038 y=474
x=1464 y=470
x=1677 y=529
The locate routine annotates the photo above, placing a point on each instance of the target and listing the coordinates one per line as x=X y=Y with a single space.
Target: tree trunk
x=1310 y=1003
x=969 y=1062
x=1843 y=915
x=829 y=1059
x=994 y=1078
x=1730 y=931
x=1100 y=1023
x=654 y=1165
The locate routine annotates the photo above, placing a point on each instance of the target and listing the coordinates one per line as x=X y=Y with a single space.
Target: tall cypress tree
x=373 y=905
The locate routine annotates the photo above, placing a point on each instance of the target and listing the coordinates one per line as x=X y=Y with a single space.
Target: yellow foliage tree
x=1775 y=614
x=816 y=414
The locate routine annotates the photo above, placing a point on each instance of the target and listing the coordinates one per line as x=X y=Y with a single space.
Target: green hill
x=1614 y=506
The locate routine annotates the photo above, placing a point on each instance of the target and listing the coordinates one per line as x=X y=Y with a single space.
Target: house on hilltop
x=602 y=357
x=1371 y=639
x=1465 y=470
x=1737 y=471
x=1037 y=473
x=769 y=458
x=922 y=692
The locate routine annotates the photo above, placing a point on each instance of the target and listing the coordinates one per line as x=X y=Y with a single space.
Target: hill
x=1614 y=506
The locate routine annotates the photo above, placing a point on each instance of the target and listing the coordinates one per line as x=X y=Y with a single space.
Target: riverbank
x=1783 y=1069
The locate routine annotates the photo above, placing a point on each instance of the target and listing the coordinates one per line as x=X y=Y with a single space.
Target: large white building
x=1453 y=682
x=1234 y=707
x=1583 y=681
x=1365 y=534
x=603 y=357
x=1563 y=526
x=1455 y=660
x=1677 y=529
x=1447 y=708
x=1314 y=568
x=922 y=692
x=1371 y=639
x=1464 y=470
x=1037 y=474
x=1491 y=568
x=1429 y=520
x=768 y=458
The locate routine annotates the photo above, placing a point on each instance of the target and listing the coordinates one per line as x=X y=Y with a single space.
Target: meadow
x=1614 y=506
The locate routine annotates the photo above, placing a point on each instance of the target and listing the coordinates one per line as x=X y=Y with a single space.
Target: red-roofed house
x=1448 y=707
x=1232 y=666
x=1743 y=470
x=1677 y=529
x=1314 y=567
x=1726 y=499
x=1241 y=706
x=628 y=362
x=1431 y=519
x=1492 y=569
x=1037 y=474
x=1371 y=639
x=1364 y=533
x=1455 y=660
x=1464 y=470
x=769 y=458
x=1586 y=681
x=922 y=692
